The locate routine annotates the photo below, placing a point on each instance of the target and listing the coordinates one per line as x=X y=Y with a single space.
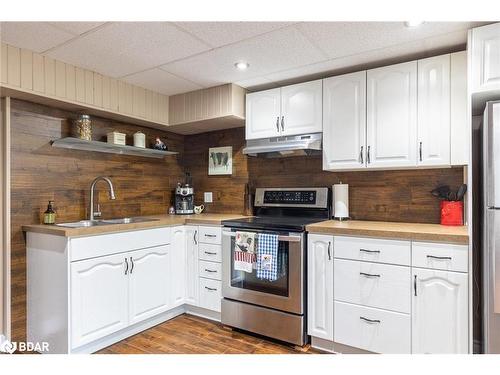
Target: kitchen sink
x=94 y=223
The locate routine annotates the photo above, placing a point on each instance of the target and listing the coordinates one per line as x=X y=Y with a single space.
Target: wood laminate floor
x=188 y=334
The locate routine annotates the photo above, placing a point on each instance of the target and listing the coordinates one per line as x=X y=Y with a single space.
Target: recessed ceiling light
x=241 y=65
x=411 y=24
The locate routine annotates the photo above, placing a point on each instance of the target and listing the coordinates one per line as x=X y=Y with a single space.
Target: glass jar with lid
x=83 y=127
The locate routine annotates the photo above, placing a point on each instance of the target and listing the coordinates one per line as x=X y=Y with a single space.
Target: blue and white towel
x=267 y=256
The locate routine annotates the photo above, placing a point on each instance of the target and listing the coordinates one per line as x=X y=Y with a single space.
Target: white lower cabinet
x=178 y=279
x=149 y=282
x=191 y=277
x=99 y=298
x=440 y=312
x=210 y=294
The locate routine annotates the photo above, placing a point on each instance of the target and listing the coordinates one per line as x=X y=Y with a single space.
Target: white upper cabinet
x=320 y=286
x=99 y=297
x=263 y=114
x=344 y=121
x=460 y=131
x=149 y=271
x=301 y=108
x=434 y=111
x=440 y=312
x=392 y=116
x=486 y=58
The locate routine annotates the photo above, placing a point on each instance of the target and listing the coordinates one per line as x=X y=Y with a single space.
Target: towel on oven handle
x=267 y=256
x=244 y=251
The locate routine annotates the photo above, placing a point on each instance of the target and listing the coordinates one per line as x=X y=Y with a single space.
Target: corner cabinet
x=344 y=121
x=320 y=286
x=191 y=277
x=285 y=111
x=391 y=116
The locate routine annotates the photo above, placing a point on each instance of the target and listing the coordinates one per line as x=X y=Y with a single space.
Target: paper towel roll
x=341 y=201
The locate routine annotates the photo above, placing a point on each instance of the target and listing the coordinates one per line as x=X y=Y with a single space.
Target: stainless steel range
x=275 y=308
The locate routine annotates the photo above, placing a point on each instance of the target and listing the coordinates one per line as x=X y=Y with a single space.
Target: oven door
x=286 y=293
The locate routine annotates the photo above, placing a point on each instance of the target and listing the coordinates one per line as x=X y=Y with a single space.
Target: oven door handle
x=280 y=238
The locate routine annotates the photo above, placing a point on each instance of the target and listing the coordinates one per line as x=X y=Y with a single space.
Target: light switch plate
x=208 y=198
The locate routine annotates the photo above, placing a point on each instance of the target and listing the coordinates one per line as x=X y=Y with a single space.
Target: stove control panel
x=289 y=197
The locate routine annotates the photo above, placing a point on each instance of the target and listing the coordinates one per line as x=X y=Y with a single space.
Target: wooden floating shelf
x=96 y=146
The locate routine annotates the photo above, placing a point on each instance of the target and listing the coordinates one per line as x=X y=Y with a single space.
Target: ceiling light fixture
x=241 y=65
x=412 y=24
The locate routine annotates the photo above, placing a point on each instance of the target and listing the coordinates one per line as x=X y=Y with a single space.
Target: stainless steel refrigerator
x=491 y=227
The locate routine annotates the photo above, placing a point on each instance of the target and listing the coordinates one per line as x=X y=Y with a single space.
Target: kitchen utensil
x=461 y=192
x=441 y=191
x=452 y=196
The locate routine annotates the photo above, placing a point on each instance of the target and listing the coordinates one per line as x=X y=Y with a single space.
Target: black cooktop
x=273 y=223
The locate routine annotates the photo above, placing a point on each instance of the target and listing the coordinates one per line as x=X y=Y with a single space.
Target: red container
x=452 y=213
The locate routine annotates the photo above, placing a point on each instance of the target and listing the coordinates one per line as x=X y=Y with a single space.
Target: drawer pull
x=371 y=321
x=210 y=235
x=207 y=270
x=329 y=253
x=368 y=274
x=211 y=289
x=439 y=258
x=370 y=251
x=210 y=253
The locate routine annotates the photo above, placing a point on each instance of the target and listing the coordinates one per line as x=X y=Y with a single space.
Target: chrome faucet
x=93 y=214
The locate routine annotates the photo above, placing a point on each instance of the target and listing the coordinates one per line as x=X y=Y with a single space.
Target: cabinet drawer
x=372 y=329
x=440 y=256
x=210 y=294
x=210 y=270
x=212 y=253
x=372 y=250
x=372 y=284
x=210 y=235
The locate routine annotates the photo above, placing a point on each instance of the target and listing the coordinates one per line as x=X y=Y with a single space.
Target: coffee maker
x=184 y=199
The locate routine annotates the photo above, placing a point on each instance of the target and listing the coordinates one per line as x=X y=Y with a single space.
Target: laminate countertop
x=161 y=221
x=389 y=230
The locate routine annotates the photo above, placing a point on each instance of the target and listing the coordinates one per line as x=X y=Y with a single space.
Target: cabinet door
x=320 y=286
x=301 y=108
x=439 y=312
x=178 y=266
x=191 y=277
x=392 y=116
x=263 y=114
x=486 y=58
x=344 y=121
x=99 y=298
x=149 y=275
x=434 y=111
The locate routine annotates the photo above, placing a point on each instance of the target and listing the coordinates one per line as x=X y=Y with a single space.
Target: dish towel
x=244 y=251
x=267 y=257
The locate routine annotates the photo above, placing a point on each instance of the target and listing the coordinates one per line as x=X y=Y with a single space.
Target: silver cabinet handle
x=282 y=123
x=329 y=253
x=210 y=235
x=439 y=258
x=420 y=151
x=361 y=155
x=368 y=155
x=211 y=271
x=415 y=285
x=369 y=274
x=278 y=124
x=126 y=269
x=372 y=321
x=211 y=289
x=194 y=237
x=132 y=267
x=370 y=251
x=210 y=253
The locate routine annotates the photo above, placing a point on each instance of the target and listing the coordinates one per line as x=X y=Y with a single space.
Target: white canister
x=341 y=201
x=139 y=140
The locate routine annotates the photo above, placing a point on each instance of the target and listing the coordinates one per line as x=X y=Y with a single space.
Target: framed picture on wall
x=220 y=160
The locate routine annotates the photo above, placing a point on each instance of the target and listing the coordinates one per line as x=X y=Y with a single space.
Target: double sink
x=94 y=223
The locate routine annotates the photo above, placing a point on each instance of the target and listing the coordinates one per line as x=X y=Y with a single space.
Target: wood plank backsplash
x=373 y=195
x=41 y=173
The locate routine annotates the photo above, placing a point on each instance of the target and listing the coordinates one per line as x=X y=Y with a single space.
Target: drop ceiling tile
x=221 y=33
x=162 y=82
x=76 y=28
x=36 y=36
x=256 y=84
x=123 y=48
x=338 y=39
x=281 y=49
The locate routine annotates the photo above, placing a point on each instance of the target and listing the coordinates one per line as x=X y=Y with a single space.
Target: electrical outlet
x=208 y=198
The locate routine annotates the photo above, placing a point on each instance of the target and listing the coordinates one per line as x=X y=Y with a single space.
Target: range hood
x=296 y=145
